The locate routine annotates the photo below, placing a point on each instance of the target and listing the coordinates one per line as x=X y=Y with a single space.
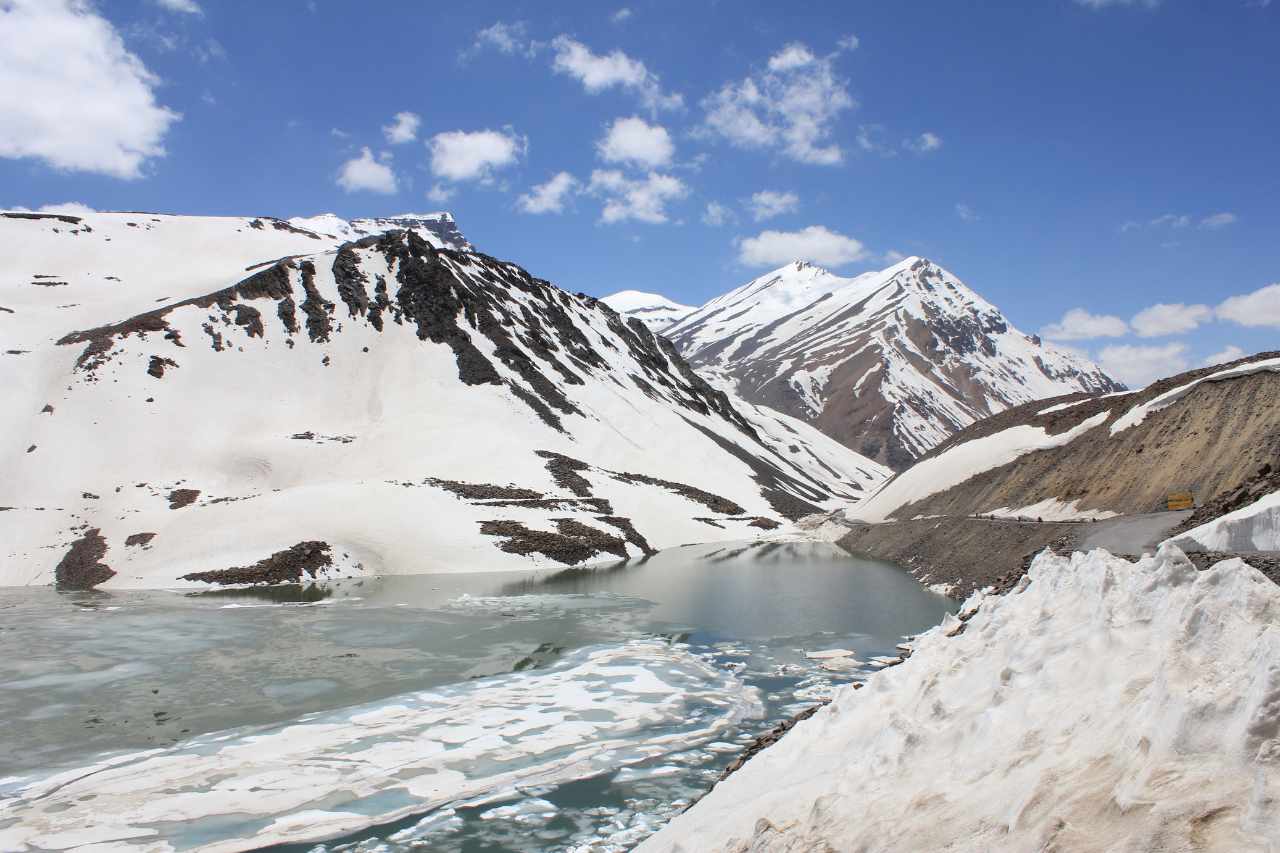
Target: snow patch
x=1053 y=509
x=1255 y=527
x=1100 y=706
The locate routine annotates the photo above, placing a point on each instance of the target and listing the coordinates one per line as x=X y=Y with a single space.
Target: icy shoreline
x=1100 y=705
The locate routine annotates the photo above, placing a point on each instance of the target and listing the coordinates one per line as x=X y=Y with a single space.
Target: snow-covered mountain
x=439 y=228
x=890 y=363
x=655 y=311
x=387 y=406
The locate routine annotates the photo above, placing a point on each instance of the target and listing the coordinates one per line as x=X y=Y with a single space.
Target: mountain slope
x=655 y=311
x=385 y=407
x=1206 y=431
x=890 y=363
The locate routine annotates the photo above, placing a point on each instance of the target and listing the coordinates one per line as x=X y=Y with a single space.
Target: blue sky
x=1098 y=157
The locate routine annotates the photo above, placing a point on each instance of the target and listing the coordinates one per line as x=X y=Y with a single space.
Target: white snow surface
x=1139 y=413
x=939 y=355
x=1100 y=706
x=957 y=464
x=1052 y=509
x=1255 y=527
x=654 y=310
x=341 y=435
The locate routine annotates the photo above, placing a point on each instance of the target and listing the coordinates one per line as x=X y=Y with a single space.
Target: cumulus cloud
x=367 y=174
x=67 y=208
x=622 y=15
x=1172 y=220
x=459 y=155
x=403 y=128
x=633 y=140
x=1219 y=220
x=549 y=197
x=72 y=95
x=924 y=143
x=510 y=38
x=439 y=193
x=189 y=7
x=1169 y=319
x=717 y=214
x=642 y=200
x=767 y=204
x=967 y=213
x=791 y=57
x=790 y=107
x=1230 y=353
x=1138 y=366
x=598 y=72
x=893 y=256
x=849 y=42
x=815 y=243
x=1260 y=308
x=1079 y=325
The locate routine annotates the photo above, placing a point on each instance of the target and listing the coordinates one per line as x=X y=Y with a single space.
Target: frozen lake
x=560 y=710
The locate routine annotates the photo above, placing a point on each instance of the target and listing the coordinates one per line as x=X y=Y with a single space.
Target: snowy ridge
x=891 y=363
x=1100 y=706
x=655 y=311
x=411 y=408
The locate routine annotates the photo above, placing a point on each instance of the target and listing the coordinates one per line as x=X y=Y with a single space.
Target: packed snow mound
x=891 y=363
x=655 y=311
x=387 y=407
x=962 y=462
x=1100 y=706
x=1255 y=527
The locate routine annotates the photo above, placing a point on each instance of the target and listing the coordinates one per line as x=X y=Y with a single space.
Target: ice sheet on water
x=598 y=709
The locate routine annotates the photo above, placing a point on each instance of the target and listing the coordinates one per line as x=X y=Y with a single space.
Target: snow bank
x=1102 y=705
x=1255 y=527
x=1052 y=509
x=954 y=466
x=1139 y=413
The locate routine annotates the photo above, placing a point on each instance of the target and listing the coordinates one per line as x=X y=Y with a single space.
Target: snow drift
x=1100 y=706
x=391 y=406
x=1255 y=527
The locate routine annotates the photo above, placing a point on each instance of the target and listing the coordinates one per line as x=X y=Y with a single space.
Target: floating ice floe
x=334 y=773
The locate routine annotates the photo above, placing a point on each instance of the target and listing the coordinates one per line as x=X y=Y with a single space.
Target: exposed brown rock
x=179 y=498
x=287 y=566
x=81 y=567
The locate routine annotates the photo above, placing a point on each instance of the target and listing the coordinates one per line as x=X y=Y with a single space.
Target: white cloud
x=67 y=208
x=815 y=243
x=189 y=7
x=598 y=72
x=549 y=197
x=1103 y=4
x=439 y=193
x=1260 y=308
x=1219 y=220
x=1169 y=319
x=364 y=173
x=1230 y=353
x=1173 y=220
x=1138 y=366
x=871 y=139
x=791 y=107
x=1079 y=325
x=924 y=143
x=767 y=204
x=893 y=256
x=643 y=200
x=967 y=213
x=458 y=155
x=791 y=57
x=849 y=42
x=509 y=38
x=622 y=15
x=72 y=95
x=403 y=128
x=633 y=140
x=717 y=214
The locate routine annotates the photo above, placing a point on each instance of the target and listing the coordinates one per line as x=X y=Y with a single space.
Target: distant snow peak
x=654 y=310
x=891 y=363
